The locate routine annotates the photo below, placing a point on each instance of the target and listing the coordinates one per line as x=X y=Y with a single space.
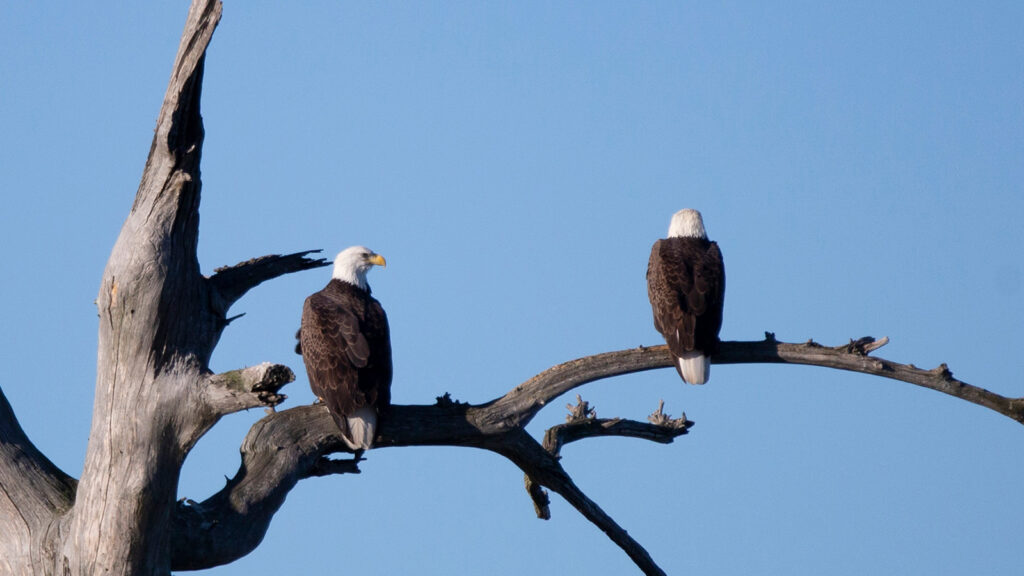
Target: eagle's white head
x=352 y=264
x=687 y=223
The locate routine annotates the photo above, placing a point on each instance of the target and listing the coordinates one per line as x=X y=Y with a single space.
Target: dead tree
x=159 y=321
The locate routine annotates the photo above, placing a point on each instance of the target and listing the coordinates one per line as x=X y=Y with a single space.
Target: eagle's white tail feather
x=362 y=428
x=695 y=367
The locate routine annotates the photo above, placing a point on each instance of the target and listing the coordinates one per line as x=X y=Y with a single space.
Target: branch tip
x=581 y=411
x=869 y=348
x=251 y=387
x=233 y=318
x=541 y=501
x=232 y=282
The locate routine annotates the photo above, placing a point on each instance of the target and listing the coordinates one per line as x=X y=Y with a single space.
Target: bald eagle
x=346 y=346
x=686 y=286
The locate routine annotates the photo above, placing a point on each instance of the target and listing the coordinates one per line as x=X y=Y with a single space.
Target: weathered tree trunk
x=158 y=323
x=160 y=319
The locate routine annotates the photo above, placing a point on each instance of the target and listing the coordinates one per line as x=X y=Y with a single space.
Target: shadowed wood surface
x=290 y=445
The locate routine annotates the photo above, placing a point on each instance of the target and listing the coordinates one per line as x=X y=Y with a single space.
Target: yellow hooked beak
x=378 y=260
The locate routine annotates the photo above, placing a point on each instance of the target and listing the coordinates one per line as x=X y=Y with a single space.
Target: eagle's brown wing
x=375 y=377
x=333 y=349
x=686 y=286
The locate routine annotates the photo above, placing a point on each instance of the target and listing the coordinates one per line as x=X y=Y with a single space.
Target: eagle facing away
x=686 y=286
x=346 y=346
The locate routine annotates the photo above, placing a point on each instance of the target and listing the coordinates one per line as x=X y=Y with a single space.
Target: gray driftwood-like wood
x=159 y=321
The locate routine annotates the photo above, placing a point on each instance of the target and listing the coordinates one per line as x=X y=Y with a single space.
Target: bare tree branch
x=232 y=282
x=522 y=404
x=246 y=388
x=33 y=493
x=582 y=422
x=290 y=445
x=558 y=436
x=279 y=451
x=539 y=496
x=544 y=468
x=217 y=395
x=854 y=357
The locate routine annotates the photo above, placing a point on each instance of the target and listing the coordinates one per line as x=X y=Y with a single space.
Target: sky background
x=859 y=163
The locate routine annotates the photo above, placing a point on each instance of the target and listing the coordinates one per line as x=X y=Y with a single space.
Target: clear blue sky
x=860 y=165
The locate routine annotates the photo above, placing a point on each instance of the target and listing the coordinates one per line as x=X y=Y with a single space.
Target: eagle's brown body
x=346 y=346
x=686 y=286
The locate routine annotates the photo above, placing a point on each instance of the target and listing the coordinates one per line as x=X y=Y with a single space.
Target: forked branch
x=558 y=436
x=32 y=488
x=288 y=446
x=582 y=422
